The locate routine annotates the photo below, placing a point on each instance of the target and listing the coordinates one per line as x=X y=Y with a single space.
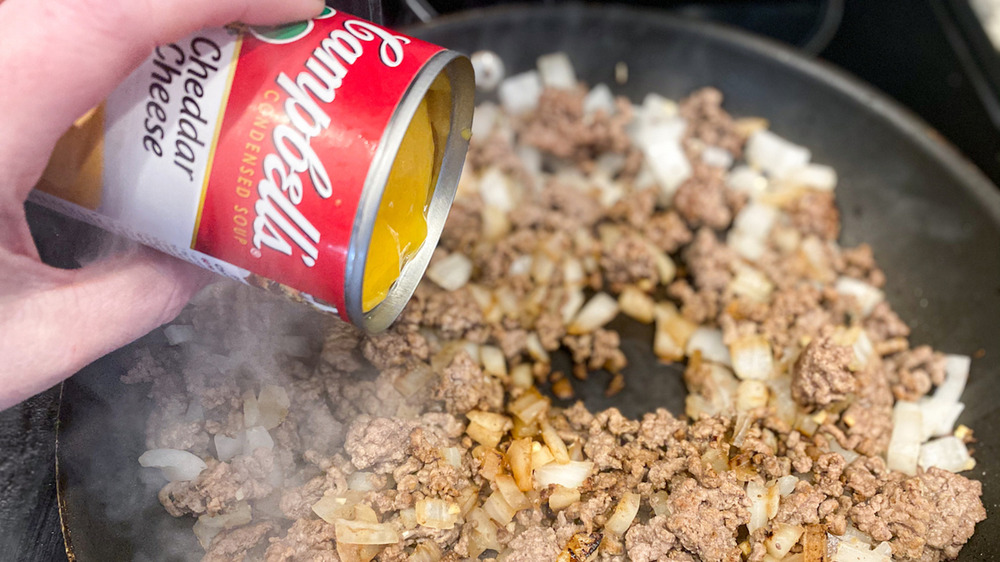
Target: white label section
x=159 y=128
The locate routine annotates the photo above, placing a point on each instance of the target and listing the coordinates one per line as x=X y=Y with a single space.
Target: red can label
x=247 y=153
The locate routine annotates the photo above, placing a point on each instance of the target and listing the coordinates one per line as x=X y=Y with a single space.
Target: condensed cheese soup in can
x=318 y=159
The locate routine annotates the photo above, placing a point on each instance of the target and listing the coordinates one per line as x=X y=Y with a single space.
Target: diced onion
x=939 y=416
x=273 y=405
x=563 y=497
x=511 y=492
x=361 y=481
x=228 y=447
x=529 y=406
x=452 y=456
x=773 y=154
x=330 y=508
x=570 y=475
x=498 y=508
x=521 y=376
x=519 y=93
x=359 y=532
x=489 y=420
x=708 y=341
x=426 y=551
x=251 y=412
x=849 y=456
x=814 y=176
x=623 y=514
x=756 y=220
x=866 y=295
x=744 y=179
x=484 y=533
x=556 y=71
x=659 y=501
x=752 y=284
x=751 y=394
x=847 y=552
x=786 y=484
x=257 y=438
x=541 y=455
x=452 y=272
x=554 y=442
x=519 y=459
x=717 y=157
x=637 y=304
x=177 y=334
x=782 y=539
x=571 y=305
x=599 y=98
x=177 y=465
x=414 y=379
x=746 y=246
x=946 y=453
x=956 y=368
x=437 y=513
x=206 y=528
x=758 y=505
x=484 y=435
x=752 y=358
x=599 y=310
x=904 y=445
x=670 y=166
x=496 y=189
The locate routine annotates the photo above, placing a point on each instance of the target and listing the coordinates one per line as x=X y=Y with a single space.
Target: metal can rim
x=458 y=68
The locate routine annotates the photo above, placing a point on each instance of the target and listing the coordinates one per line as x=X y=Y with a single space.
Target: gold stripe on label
x=215 y=136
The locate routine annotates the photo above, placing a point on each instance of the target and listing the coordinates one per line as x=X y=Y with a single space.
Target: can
x=263 y=155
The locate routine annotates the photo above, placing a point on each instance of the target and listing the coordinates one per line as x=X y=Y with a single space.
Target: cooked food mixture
x=813 y=429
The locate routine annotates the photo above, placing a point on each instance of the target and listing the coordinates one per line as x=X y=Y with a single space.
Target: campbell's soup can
x=318 y=159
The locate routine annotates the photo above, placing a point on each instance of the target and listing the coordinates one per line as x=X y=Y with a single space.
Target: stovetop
x=930 y=56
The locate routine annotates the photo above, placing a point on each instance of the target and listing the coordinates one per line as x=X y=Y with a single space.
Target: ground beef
x=630 y=261
x=221 y=485
x=702 y=199
x=709 y=123
x=378 y=443
x=340 y=347
x=394 y=347
x=559 y=127
x=306 y=541
x=821 y=375
x=705 y=520
x=651 y=541
x=900 y=513
x=859 y=262
x=235 y=543
x=666 y=231
x=816 y=213
x=535 y=543
x=635 y=208
x=597 y=350
x=464 y=386
x=883 y=324
x=912 y=373
x=956 y=507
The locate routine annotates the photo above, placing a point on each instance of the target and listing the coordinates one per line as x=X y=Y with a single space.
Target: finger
x=56 y=321
x=62 y=57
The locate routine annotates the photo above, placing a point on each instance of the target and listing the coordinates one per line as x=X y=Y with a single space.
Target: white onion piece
x=849 y=456
x=775 y=155
x=498 y=509
x=488 y=69
x=748 y=247
x=177 y=465
x=751 y=394
x=717 y=157
x=452 y=272
x=866 y=295
x=228 y=447
x=273 y=404
x=483 y=120
x=452 y=456
x=251 y=412
x=939 y=416
x=623 y=514
x=783 y=539
x=659 y=501
x=648 y=133
x=570 y=475
x=956 y=368
x=752 y=284
x=669 y=165
x=946 y=453
x=709 y=342
x=556 y=71
x=656 y=108
x=756 y=220
x=361 y=532
x=437 y=513
x=206 y=528
x=847 y=552
x=511 y=493
x=361 y=481
x=599 y=310
x=330 y=508
x=863 y=348
x=496 y=189
x=599 y=98
x=637 y=304
x=786 y=484
x=758 y=505
x=257 y=438
x=519 y=93
x=752 y=358
x=573 y=302
x=177 y=334
x=745 y=179
x=561 y=498
x=907 y=431
x=814 y=176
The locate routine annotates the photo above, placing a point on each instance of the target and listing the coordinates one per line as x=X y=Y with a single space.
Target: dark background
x=930 y=55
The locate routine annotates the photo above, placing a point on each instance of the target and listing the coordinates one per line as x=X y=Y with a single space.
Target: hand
x=59 y=59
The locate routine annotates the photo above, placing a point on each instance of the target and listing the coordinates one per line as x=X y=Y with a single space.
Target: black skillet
x=933 y=220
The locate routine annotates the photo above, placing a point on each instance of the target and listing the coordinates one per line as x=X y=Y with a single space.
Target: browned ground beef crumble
x=387 y=407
